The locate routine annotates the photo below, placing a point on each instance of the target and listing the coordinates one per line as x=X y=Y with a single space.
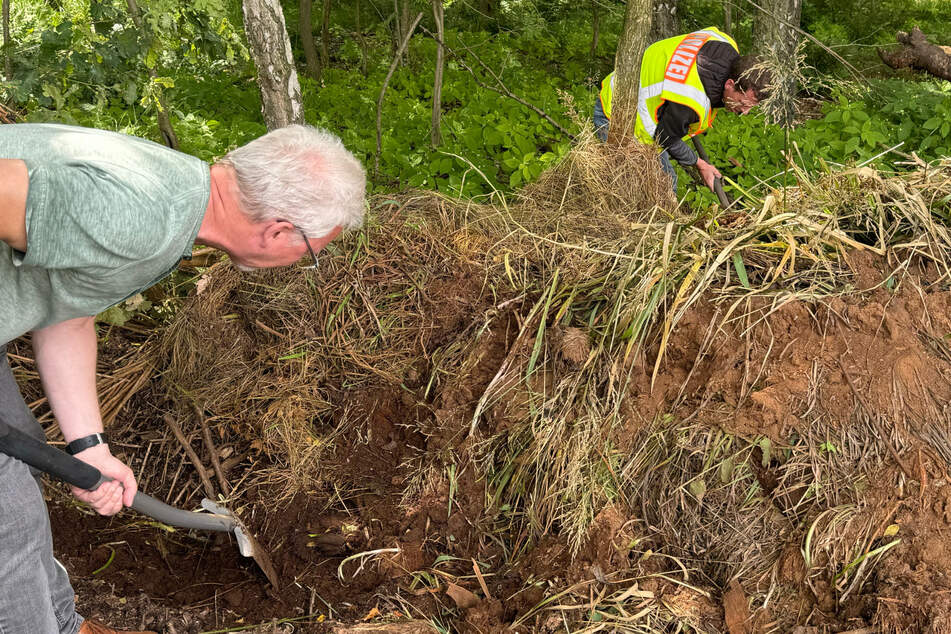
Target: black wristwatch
x=86 y=442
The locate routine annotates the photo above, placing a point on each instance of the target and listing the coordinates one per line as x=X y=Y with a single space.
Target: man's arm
x=66 y=359
x=14 y=185
x=674 y=122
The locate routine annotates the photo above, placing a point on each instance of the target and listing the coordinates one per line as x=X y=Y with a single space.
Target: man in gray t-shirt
x=89 y=218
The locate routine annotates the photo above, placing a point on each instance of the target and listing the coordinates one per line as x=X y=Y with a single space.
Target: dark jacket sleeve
x=674 y=119
x=673 y=123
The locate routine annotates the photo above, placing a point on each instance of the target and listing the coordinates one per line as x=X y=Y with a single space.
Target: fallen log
x=918 y=53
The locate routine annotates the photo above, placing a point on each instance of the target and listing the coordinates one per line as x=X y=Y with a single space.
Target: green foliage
x=854 y=27
x=88 y=64
x=92 y=57
x=483 y=131
x=917 y=115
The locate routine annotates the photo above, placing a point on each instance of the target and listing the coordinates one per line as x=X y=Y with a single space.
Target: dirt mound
x=711 y=482
x=569 y=411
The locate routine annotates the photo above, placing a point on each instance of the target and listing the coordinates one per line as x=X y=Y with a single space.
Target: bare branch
x=379 y=101
x=502 y=90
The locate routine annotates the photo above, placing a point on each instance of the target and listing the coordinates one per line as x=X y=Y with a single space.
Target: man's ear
x=273 y=231
x=729 y=84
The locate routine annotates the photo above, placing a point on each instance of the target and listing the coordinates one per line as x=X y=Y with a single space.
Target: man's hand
x=66 y=358
x=110 y=497
x=708 y=172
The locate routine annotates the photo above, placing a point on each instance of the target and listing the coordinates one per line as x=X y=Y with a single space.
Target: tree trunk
x=271 y=49
x=164 y=121
x=665 y=21
x=404 y=17
x=362 y=42
x=7 y=62
x=917 y=52
x=775 y=38
x=438 y=16
x=627 y=66
x=405 y=24
x=728 y=18
x=307 y=39
x=325 y=35
x=595 y=26
x=397 y=26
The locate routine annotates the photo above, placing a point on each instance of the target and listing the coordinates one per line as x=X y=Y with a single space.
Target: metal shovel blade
x=248 y=546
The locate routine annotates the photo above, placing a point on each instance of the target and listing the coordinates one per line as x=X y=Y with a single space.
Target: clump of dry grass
x=595 y=194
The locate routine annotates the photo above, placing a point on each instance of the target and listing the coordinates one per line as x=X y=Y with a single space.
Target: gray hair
x=303 y=175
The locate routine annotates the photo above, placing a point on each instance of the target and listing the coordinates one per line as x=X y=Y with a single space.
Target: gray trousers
x=35 y=595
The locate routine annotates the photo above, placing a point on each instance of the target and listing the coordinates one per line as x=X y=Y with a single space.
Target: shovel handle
x=701 y=151
x=717 y=181
x=156 y=509
x=39 y=455
x=74 y=471
x=721 y=195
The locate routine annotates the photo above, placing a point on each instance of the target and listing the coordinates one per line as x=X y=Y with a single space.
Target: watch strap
x=86 y=442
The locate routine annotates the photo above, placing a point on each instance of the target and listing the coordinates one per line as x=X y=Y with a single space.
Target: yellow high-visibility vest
x=669 y=73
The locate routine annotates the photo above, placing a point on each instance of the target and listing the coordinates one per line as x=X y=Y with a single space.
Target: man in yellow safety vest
x=683 y=80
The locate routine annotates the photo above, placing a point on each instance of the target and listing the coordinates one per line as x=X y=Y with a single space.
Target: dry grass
x=596 y=246
x=517 y=326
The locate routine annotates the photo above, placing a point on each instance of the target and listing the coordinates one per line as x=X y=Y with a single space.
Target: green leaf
x=931 y=123
x=114 y=315
x=766 y=447
x=726 y=471
x=491 y=136
x=698 y=488
x=740 y=269
x=130 y=93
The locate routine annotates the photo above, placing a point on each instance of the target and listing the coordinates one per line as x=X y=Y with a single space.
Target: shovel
x=63 y=466
x=717 y=182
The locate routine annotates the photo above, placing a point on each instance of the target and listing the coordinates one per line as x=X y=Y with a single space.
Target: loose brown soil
x=850 y=368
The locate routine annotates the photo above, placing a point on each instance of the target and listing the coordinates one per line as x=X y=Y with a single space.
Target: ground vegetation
x=537 y=392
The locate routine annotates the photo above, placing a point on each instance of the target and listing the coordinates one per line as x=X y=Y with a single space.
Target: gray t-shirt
x=107 y=215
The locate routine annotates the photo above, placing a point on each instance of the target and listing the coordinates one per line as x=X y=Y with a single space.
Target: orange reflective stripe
x=684 y=57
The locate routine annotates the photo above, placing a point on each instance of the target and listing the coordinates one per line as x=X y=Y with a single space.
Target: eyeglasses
x=310 y=250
